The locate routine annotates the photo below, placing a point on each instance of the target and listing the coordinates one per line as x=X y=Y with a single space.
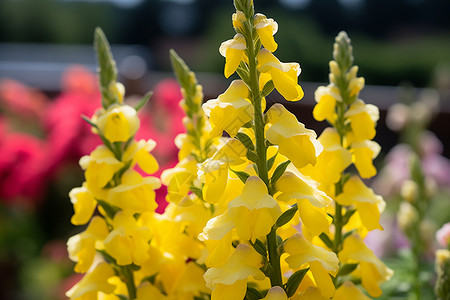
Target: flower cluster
x=357 y=208
x=118 y=233
x=266 y=213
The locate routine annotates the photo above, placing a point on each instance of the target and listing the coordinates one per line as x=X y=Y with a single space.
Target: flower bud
x=442 y=287
x=409 y=191
x=407 y=216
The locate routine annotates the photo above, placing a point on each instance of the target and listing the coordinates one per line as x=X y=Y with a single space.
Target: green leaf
x=245 y=140
x=271 y=161
x=252 y=156
x=143 y=101
x=267 y=89
x=107 y=257
x=347 y=234
x=248 y=125
x=259 y=247
x=109 y=209
x=243 y=176
x=198 y=192
x=346 y=269
x=347 y=216
x=89 y=121
x=253 y=294
x=326 y=239
x=294 y=281
x=243 y=74
x=107 y=66
x=279 y=171
x=286 y=216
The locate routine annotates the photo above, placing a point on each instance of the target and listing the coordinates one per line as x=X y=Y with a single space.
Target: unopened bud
x=407 y=216
x=334 y=68
x=409 y=191
x=442 y=287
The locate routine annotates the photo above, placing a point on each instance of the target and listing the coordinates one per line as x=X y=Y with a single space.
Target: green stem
x=275 y=279
x=260 y=147
x=338 y=228
x=129 y=281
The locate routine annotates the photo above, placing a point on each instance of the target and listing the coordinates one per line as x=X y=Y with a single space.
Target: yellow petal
x=302 y=251
x=323 y=279
x=92 y=283
x=83 y=204
x=233 y=59
x=349 y=291
x=315 y=219
x=276 y=293
x=325 y=109
x=230 y=292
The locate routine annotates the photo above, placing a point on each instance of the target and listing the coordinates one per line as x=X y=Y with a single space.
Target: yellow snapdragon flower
x=118 y=123
x=331 y=162
x=127 y=242
x=230 y=110
x=229 y=282
x=84 y=205
x=135 y=193
x=138 y=152
x=321 y=262
x=100 y=167
x=266 y=28
x=214 y=171
x=284 y=75
x=234 y=52
x=363 y=118
x=371 y=269
x=92 y=283
x=82 y=247
x=294 y=141
x=367 y=203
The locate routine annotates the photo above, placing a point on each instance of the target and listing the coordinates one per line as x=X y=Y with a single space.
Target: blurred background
x=47 y=80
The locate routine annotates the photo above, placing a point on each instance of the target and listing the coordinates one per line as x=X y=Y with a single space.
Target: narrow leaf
x=267 y=89
x=271 y=161
x=347 y=234
x=346 y=269
x=243 y=176
x=198 y=192
x=245 y=140
x=326 y=239
x=294 y=281
x=89 y=121
x=279 y=171
x=286 y=216
x=243 y=74
x=252 y=156
x=347 y=216
x=247 y=125
x=259 y=247
x=109 y=209
x=143 y=101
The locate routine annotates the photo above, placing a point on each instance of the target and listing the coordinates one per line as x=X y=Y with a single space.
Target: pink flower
x=20 y=100
x=443 y=235
x=68 y=136
x=22 y=169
